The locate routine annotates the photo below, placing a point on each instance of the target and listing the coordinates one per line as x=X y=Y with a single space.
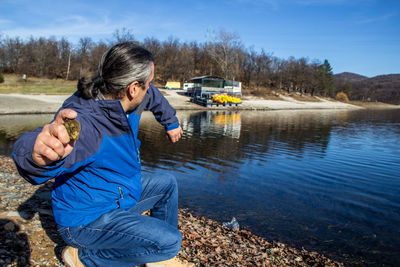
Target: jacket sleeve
x=164 y=113
x=27 y=168
x=37 y=174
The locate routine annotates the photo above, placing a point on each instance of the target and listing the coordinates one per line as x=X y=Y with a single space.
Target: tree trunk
x=69 y=65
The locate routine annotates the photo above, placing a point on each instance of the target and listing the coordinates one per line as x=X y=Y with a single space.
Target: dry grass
x=13 y=84
x=304 y=97
x=264 y=93
x=274 y=94
x=373 y=105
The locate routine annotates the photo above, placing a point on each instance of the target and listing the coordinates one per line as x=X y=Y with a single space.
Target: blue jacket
x=102 y=173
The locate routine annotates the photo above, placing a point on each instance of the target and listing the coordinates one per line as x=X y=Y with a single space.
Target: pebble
x=10 y=214
x=10 y=226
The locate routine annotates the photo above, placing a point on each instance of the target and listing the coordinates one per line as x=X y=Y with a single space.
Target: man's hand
x=53 y=142
x=175 y=134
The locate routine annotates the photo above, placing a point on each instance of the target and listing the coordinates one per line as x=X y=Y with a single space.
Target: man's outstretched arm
x=164 y=113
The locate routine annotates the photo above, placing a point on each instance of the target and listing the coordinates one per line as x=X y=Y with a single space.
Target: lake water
x=327 y=181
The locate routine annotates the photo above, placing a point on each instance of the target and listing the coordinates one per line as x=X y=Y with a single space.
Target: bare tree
x=154 y=46
x=123 y=35
x=65 y=50
x=2 y=53
x=186 y=66
x=85 y=45
x=224 y=51
x=96 y=52
x=13 y=53
x=170 y=61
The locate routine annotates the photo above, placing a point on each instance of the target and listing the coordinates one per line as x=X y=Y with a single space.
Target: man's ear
x=133 y=89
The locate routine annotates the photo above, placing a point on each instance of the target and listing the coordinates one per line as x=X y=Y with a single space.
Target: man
x=99 y=191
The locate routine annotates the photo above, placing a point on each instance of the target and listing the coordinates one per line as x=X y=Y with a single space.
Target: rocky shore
x=28 y=235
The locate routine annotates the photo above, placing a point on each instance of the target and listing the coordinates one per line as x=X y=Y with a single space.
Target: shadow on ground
x=14 y=245
x=40 y=202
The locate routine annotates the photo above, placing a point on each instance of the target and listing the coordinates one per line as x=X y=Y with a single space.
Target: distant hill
x=382 y=88
x=349 y=76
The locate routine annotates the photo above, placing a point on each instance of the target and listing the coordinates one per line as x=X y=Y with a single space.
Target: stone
x=10 y=226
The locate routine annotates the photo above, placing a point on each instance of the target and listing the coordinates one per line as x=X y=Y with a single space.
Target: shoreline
x=29 y=236
x=49 y=104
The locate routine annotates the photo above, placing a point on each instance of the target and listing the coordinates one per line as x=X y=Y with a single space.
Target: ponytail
x=90 y=88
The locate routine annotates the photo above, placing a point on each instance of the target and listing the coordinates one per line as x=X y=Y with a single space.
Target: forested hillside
x=382 y=88
x=225 y=56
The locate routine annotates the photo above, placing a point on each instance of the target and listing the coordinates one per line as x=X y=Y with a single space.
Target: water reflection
x=213 y=138
x=13 y=126
x=213 y=123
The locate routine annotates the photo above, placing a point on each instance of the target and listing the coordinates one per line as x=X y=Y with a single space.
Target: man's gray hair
x=121 y=65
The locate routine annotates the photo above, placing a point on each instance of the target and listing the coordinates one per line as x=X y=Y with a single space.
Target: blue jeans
x=127 y=238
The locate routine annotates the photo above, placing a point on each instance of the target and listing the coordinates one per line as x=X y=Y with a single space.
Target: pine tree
x=347 y=88
x=326 y=79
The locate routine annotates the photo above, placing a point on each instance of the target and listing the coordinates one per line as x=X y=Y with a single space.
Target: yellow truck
x=173 y=85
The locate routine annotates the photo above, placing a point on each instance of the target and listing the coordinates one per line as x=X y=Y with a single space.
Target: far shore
x=40 y=104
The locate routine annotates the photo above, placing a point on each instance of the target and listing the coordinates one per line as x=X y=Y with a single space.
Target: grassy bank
x=14 y=84
x=374 y=105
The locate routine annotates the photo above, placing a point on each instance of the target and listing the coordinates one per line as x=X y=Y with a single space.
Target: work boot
x=70 y=257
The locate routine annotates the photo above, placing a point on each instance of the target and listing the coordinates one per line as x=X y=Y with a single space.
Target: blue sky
x=361 y=36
